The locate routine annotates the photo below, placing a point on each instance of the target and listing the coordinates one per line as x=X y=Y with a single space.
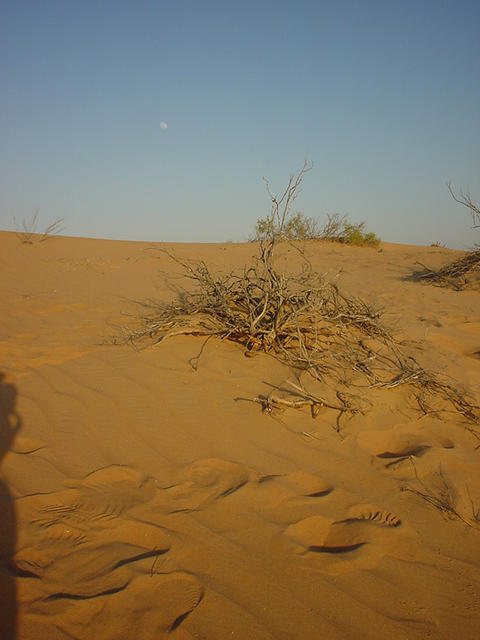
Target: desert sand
x=144 y=498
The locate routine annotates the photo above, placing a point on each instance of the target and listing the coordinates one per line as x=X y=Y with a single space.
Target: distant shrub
x=333 y=227
x=296 y=227
x=337 y=228
x=28 y=233
x=355 y=234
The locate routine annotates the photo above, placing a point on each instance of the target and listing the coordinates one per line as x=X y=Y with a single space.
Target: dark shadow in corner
x=10 y=424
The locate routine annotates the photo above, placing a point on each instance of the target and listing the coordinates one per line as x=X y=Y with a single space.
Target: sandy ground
x=141 y=498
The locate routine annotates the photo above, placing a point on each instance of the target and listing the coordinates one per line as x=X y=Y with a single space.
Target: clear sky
x=383 y=96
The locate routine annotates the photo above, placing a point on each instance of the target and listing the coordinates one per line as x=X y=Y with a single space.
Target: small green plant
x=355 y=234
x=301 y=227
x=298 y=226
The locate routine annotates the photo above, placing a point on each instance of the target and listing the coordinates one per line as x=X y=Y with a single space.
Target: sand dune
x=144 y=498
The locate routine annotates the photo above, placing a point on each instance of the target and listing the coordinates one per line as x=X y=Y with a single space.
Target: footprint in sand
x=392 y=446
x=298 y=484
x=325 y=535
x=218 y=477
x=151 y=607
x=301 y=483
x=27 y=445
x=205 y=481
x=82 y=542
x=394 y=443
x=286 y=497
x=369 y=512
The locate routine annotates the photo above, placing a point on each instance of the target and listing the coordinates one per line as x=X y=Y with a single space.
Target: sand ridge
x=150 y=500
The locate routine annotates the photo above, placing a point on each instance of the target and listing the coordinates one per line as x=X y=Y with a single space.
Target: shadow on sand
x=10 y=424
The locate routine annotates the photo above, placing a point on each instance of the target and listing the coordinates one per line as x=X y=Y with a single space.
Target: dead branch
x=53 y=229
x=441 y=498
x=281 y=205
x=466 y=201
x=28 y=232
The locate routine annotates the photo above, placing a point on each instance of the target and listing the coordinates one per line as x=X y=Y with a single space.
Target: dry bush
x=464 y=272
x=442 y=496
x=334 y=226
x=28 y=233
x=458 y=275
x=298 y=318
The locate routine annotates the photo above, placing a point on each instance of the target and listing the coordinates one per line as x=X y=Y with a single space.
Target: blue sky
x=383 y=97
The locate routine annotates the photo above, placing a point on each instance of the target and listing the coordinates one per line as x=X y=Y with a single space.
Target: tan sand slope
x=141 y=498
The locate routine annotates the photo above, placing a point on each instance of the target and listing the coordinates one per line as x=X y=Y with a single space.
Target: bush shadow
x=10 y=424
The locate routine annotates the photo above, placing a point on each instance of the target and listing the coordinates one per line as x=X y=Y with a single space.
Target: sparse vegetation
x=355 y=234
x=457 y=275
x=441 y=496
x=298 y=318
x=298 y=227
x=333 y=227
x=464 y=272
x=28 y=232
x=465 y=200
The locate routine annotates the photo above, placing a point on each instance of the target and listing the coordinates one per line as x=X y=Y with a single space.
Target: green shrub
x=355 y=234
x=300 y=227
x=296 y=227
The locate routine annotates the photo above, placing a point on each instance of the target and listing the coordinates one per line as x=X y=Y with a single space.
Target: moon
x=163 y=125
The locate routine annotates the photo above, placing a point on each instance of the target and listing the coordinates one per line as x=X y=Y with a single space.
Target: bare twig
x=466 y=201
x=28 y=233
x=440 y=498
x=54 y=228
